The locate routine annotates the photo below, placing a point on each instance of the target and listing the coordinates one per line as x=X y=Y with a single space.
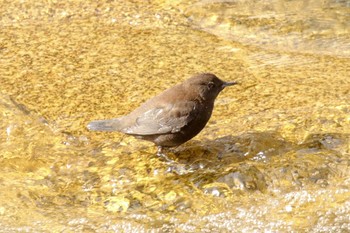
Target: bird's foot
x=162 y=155
x=174 y=166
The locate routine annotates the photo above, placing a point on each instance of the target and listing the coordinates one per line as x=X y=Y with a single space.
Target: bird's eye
x=210 y=85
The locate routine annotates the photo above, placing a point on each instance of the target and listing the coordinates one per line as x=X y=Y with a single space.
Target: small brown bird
x=172 y=117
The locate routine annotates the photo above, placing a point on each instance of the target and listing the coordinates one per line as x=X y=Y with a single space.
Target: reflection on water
x=274 y=156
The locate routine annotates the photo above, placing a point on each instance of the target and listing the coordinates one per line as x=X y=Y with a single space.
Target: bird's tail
x=104 y=125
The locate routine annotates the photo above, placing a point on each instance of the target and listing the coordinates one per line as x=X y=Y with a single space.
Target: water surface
x=274 y=156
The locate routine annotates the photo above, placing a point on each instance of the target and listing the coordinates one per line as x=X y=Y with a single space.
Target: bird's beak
x=226 y=84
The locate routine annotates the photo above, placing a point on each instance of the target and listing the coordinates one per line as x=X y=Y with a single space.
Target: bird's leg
x=159 y=150
x=163 y=155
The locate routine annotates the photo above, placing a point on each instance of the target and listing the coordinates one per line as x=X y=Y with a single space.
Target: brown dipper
x=172 y=117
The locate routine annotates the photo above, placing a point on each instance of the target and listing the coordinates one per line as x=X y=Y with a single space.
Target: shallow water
x=274 y=156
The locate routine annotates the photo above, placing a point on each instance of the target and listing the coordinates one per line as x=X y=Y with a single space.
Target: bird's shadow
x=230 y=149
x=225 y=160
x=251 y=146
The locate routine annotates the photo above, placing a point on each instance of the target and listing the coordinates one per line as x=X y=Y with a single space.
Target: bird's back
x=165 y=113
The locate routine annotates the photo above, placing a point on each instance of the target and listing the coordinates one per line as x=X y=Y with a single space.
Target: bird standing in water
x=172 y=117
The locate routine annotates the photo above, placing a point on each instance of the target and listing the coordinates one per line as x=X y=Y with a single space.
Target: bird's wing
x=169 y=118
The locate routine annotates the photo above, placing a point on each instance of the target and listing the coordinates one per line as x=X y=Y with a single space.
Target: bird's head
x=207 y=86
